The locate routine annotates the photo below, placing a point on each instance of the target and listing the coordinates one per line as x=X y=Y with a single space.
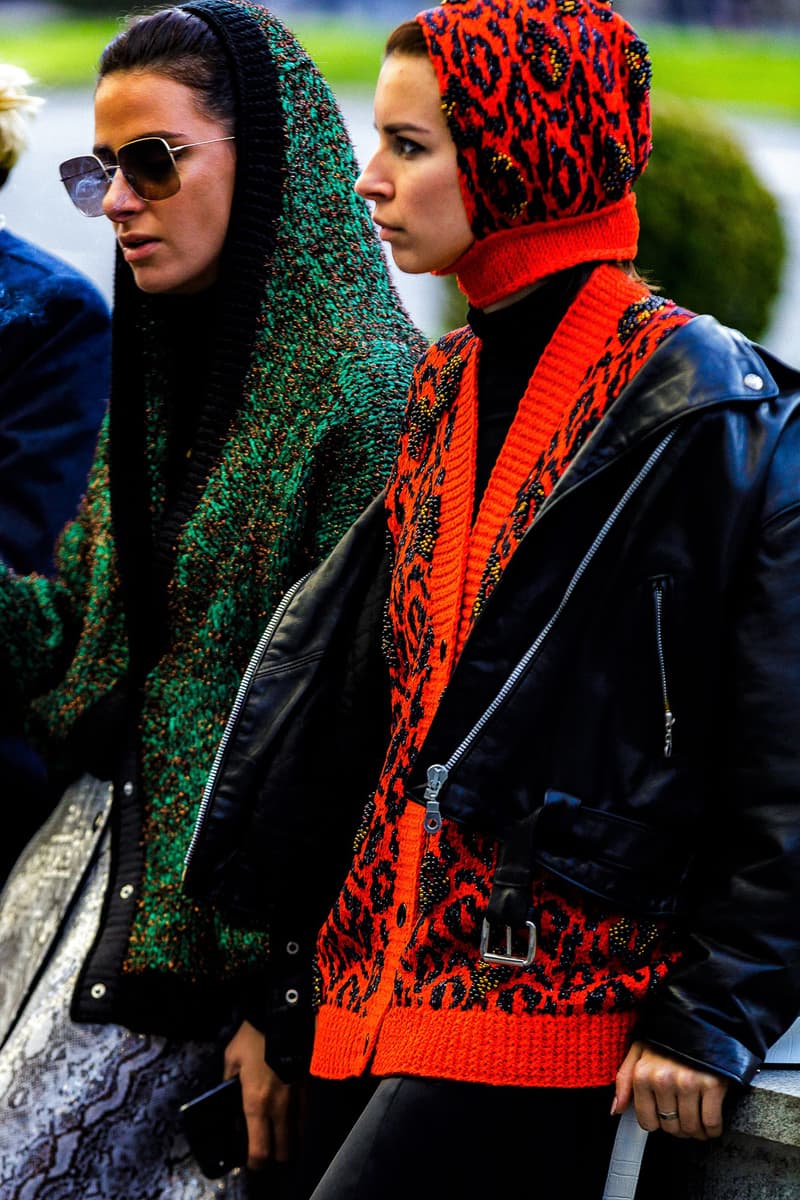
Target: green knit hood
x=174 y=564
x=303 y=291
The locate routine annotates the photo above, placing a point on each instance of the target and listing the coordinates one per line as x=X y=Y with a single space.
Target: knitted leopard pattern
x=561 y=131
x=641 y=329
x=588 y=961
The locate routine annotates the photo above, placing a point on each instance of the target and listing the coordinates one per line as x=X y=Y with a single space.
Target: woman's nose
x=120 y=197
x=372 y=183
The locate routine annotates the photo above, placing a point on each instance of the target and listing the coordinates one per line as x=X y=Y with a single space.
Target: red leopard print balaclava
x=547 y=102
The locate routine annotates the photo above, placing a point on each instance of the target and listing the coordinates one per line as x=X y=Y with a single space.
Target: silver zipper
x=669 y=717
x=438 y=773
x=235 y=713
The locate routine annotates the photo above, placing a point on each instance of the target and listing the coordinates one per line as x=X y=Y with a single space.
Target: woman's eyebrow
x=167 y=134
x=404 y=127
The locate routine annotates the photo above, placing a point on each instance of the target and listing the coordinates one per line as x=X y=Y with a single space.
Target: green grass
x=63 y=53
x=349 y=55
x=57 y=53
x=747 y=70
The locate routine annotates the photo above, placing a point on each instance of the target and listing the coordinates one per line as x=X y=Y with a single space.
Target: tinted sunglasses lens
x=148 y=167
x=86 y=183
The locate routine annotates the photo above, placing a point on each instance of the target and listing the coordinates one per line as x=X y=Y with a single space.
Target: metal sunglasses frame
x=109 y=169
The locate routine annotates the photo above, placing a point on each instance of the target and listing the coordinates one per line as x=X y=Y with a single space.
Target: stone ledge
x=770 y=1109
x=758 y=1156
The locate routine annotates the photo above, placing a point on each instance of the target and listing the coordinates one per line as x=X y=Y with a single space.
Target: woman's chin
x=157 y=284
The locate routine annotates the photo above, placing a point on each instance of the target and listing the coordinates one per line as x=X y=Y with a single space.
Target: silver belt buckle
x=507 y=958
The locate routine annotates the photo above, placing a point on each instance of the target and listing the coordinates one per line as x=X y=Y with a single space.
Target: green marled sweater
x=169 y=572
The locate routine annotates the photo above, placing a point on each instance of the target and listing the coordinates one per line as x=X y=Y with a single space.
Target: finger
x=687 y=1124
x=669 y=1113
x=259 y=1137
x=711 y=1111
x=281 y=1137
x=624 y=1081
x=280 y=1112
x=645 y=1104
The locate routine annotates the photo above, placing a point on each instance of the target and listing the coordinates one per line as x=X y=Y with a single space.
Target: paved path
x=36 y=207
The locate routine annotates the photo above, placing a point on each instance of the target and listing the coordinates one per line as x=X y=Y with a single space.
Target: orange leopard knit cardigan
x=401 y=985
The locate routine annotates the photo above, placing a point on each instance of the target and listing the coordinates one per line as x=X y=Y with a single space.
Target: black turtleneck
x=513 y=340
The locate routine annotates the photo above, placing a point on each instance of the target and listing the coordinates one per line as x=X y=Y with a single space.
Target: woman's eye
x=406 y=148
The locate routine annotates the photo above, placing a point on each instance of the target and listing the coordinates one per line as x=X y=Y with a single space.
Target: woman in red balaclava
x=573 y=889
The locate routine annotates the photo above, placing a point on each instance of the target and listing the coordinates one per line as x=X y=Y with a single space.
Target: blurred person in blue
x=55 y=345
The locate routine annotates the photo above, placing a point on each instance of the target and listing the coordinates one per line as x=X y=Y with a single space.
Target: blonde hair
x=14 y=101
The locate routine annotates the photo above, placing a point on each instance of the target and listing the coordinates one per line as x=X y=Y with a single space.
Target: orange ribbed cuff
x=474 y=1047
x=506 y=261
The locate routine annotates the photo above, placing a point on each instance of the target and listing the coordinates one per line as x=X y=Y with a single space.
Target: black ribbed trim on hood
x=147 y=555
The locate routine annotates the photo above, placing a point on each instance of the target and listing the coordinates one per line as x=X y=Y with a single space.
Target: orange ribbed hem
x=475 y=1047
x=504 y=262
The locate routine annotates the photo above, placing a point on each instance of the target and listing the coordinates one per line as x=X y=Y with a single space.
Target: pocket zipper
x=659 y=588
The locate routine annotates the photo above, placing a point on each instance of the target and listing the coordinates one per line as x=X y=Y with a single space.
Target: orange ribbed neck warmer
x=503 y=263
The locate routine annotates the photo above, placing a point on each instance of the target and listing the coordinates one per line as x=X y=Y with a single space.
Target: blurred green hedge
x=711 y=233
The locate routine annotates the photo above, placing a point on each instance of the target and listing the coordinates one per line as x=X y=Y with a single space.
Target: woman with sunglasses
x=575 y=886
x=260 y=356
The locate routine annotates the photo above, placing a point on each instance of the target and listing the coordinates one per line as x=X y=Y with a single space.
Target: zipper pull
x=437 y=777
x=669 y=721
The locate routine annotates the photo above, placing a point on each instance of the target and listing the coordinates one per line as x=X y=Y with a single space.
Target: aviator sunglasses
x=148 y=165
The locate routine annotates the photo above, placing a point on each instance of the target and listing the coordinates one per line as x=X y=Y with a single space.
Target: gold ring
x=672 y=1116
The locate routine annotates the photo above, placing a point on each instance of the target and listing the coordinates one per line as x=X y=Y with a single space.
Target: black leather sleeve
x=738 y=987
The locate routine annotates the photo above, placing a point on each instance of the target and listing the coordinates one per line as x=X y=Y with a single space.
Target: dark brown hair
x=407 y=38
x=181 y=46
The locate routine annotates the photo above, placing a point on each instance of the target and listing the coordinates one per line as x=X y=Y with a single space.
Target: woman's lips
x=136 y=248
x=387 y=232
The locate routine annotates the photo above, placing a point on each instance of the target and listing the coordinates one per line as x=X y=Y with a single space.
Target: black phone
x=215 y=1128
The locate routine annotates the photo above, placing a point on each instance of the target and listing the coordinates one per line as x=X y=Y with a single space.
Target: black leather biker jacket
x=625 y=714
